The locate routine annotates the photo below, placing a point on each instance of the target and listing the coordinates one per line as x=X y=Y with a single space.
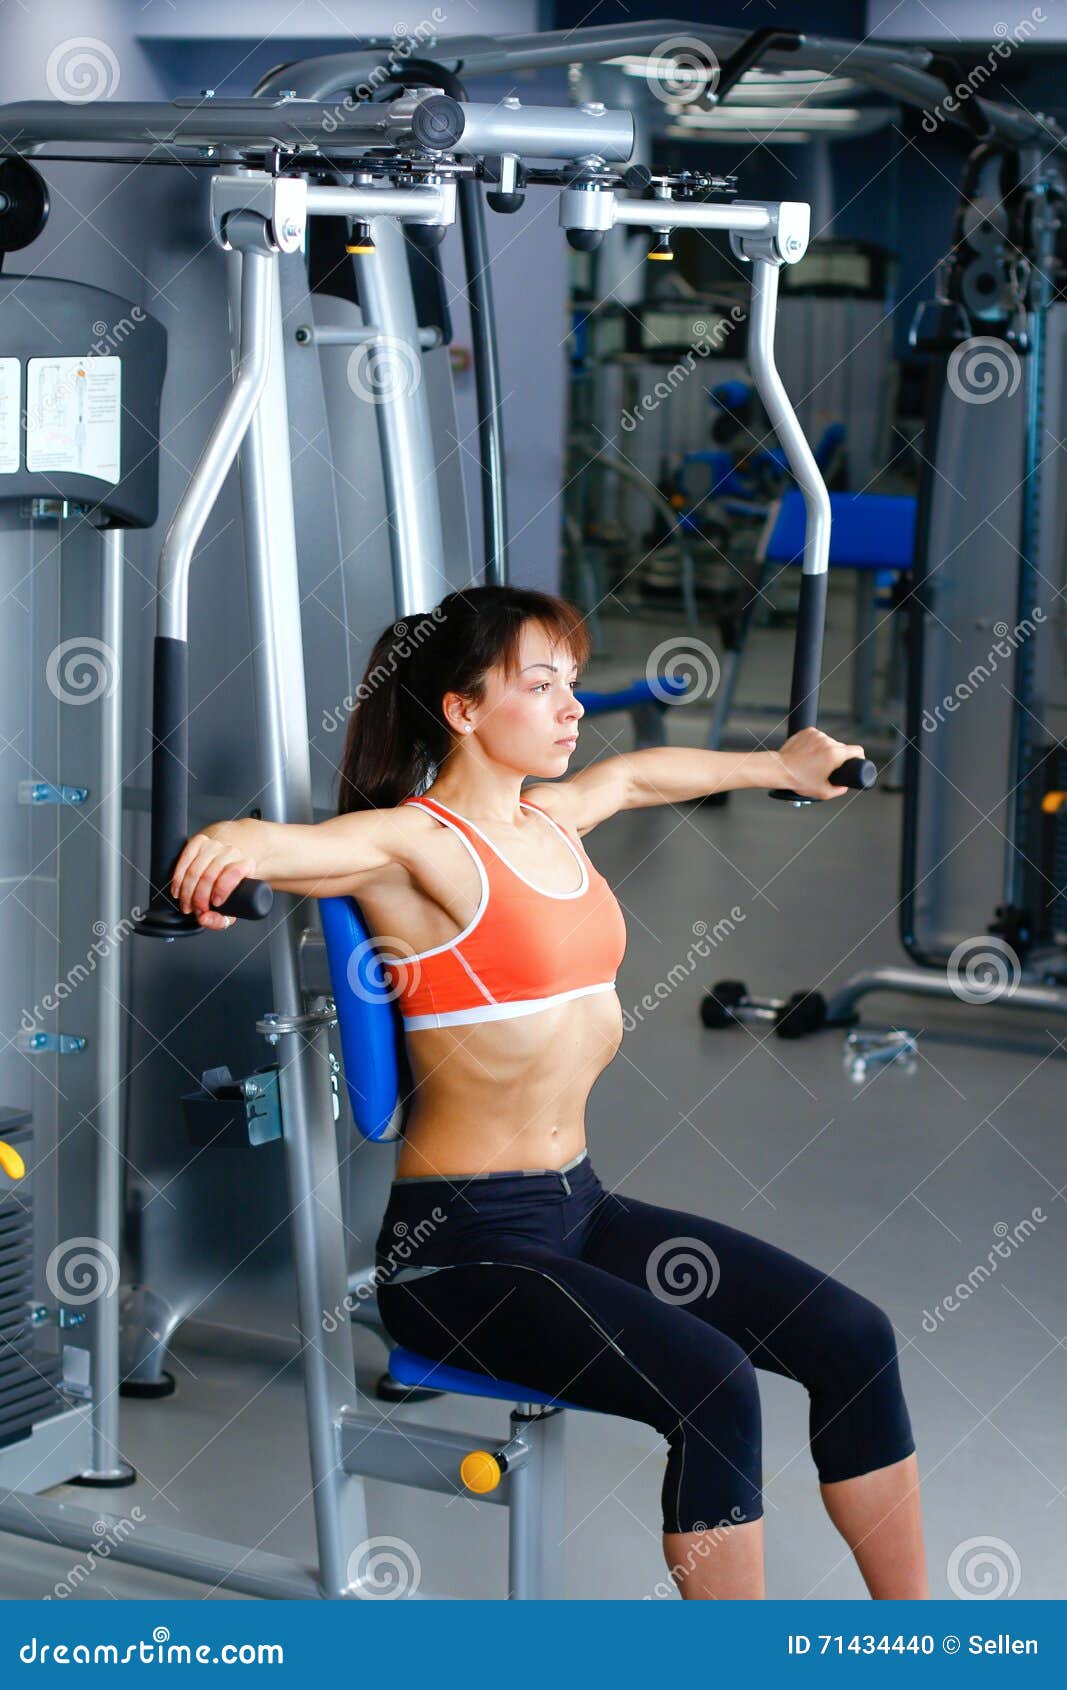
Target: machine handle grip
x=250 y=900
x=857 y=772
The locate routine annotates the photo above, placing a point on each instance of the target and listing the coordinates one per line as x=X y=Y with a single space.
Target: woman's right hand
x=205 y=874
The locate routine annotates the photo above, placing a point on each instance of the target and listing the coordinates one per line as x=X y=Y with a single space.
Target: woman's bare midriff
x=507 y=1094
x=489 y=1095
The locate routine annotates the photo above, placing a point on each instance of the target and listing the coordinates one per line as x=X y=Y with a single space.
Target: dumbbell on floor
x=728 y=1004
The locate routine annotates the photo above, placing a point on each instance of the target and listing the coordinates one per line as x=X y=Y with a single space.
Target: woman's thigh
x=575 y=1330
x=789 y=1317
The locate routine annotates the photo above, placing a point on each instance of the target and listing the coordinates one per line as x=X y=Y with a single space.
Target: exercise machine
x=399 y=162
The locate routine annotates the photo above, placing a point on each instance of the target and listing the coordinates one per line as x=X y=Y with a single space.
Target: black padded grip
x=858 y=772
x=250 y=900
x=807 y=652
x=170 y=758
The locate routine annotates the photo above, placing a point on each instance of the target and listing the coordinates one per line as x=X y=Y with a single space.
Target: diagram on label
x=74 y=416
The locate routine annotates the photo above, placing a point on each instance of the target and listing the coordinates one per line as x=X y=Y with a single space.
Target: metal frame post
x=106 y=1466
x=404 y=431
x=303 y=1044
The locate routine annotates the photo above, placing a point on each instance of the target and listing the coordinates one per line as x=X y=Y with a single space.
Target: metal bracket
x=785 y=241
x=228 y=1113
x=321 y=1012
x=43 y=792
x=281 y=201
x=61 y=1044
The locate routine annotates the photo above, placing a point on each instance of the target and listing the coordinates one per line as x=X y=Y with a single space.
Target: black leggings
x=546 y=1279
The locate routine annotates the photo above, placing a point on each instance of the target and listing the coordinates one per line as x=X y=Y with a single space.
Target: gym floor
x=898 y=1186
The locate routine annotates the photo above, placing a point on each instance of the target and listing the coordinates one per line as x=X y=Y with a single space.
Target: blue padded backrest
x=867 y=530
x=368 y=1021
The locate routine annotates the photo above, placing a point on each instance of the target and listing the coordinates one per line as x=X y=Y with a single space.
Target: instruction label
x=74 y=416
x=10 y=401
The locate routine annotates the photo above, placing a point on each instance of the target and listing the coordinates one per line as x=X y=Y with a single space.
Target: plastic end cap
x=480 y=1471
x=438 y=122
x=11 y=1162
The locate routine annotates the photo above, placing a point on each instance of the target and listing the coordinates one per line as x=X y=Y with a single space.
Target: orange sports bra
x=524 y=950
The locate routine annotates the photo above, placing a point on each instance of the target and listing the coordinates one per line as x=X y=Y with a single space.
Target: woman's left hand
x=809 y=758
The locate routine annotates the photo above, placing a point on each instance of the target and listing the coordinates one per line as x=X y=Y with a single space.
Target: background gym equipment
x=82 y=376
x=410 y=518
x=729 y=1004
x=981 y=899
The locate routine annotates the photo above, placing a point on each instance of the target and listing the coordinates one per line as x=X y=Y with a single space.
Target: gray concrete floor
x=897 y=1186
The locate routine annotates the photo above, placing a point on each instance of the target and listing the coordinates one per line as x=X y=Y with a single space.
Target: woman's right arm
x=324 y=859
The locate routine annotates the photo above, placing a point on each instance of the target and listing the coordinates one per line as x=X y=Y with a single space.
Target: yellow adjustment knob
x=11 y=1162
x=480 y=1471
x=1052 y=802
x=364 y=246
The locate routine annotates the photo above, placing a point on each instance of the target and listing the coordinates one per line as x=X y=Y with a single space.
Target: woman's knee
x=715 y=1470
x=721 y=1406
x=862 y=1336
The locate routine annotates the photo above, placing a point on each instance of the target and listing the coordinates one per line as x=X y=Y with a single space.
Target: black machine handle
x=250 y=900
x=856 y=772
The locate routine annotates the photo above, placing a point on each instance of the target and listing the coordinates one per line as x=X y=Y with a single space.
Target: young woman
x=503 y=943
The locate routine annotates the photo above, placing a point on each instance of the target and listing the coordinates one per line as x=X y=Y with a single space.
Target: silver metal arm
x=258 y=279
x=894 y=69
x=430 y=121
x=781 y=415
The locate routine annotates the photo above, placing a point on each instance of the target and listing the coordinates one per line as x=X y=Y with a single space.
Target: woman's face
x=528 y=722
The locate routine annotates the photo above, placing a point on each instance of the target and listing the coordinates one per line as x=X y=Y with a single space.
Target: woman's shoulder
x=554 y=798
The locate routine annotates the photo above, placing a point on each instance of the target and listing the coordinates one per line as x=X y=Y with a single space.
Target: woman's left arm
x=670 y=774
